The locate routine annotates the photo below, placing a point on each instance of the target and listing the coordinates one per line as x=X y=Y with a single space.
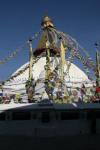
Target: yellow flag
x=54 y=97
x=88 y=91
x=66 y=92
x=70 y=97
x=64 y=100
x=55 y=83
x=86 y=97
x=50 y=85
x=41 y=94
x=17 y=96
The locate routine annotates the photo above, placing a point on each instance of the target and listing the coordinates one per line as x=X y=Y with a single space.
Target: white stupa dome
x=75 y=75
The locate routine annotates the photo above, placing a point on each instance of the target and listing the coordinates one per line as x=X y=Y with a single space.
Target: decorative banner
x=47 y=24
x=24 y=69
x=15 y=52
x=67 y=37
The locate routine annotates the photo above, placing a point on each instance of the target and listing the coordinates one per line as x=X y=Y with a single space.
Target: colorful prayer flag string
x=15 y=52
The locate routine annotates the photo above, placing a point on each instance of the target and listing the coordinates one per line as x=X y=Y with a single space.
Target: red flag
x=98 y=89
x=90 y=79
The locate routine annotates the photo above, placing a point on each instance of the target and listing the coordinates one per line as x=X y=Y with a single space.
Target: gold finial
x=46 y=15
x=46 y=18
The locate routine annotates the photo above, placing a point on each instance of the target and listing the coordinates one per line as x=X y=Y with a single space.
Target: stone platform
x=72 y=142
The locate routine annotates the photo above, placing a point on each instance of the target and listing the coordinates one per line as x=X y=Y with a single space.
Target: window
x=89 y=114
x=21 y=115
x=2 y=116
x=97 y=113
x=70 y=115
x=45 y=117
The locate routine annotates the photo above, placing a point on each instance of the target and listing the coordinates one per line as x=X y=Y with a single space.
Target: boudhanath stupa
x=75 y=74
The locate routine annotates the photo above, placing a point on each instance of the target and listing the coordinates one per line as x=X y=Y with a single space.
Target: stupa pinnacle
x=46 y=19
x=46 y=36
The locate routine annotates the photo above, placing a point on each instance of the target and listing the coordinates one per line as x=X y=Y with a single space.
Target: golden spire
x=46 y=15
x=46 y=19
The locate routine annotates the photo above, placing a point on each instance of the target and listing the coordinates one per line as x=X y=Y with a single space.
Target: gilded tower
x=48 y=37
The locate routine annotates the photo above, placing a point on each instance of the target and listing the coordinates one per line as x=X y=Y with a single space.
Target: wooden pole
x=30 y=93
x=98 y=71
x=62 y=59
x=30 y=62
x=98 y=66
x=47 y=72
x=97 y=61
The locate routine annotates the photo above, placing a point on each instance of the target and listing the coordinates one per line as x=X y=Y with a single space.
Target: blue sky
x=21 y=19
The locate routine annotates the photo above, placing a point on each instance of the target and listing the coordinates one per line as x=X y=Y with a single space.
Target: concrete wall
x=55 y=126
